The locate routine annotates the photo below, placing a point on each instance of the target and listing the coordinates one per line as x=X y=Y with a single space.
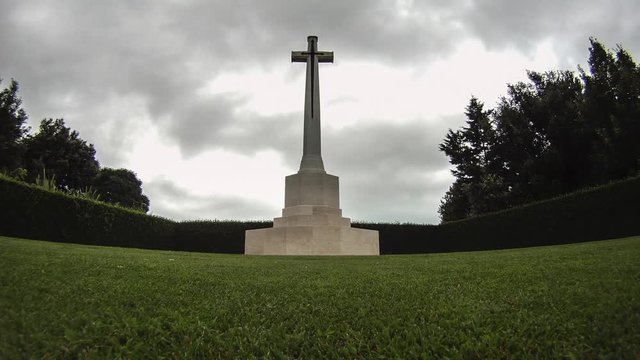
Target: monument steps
x=312 y=220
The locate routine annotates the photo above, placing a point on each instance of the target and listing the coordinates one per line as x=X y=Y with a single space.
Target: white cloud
x=200 y=100
x=209 y=176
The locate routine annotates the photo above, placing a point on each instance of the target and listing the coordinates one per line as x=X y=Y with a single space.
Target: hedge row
x=214 y=236
x=605 y=212
x=608 y=211
x=30 y=212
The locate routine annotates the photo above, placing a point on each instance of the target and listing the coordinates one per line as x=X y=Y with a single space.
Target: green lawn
x=73 y=301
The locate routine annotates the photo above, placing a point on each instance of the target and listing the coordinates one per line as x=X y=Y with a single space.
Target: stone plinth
x=312 y=223
x=312 y=188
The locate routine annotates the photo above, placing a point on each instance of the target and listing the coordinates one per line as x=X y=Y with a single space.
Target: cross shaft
x=311 y=155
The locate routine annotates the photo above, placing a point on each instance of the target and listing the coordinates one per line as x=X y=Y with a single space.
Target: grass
x=74 y=301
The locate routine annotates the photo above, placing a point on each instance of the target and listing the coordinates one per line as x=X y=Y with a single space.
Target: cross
x=311 y=157
x=309 y=57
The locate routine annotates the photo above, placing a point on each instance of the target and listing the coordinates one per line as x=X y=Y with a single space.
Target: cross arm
x=322 y=56
x=325 y=56
x=299 y=56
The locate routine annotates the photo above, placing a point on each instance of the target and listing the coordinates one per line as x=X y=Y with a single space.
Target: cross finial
x=312 y=52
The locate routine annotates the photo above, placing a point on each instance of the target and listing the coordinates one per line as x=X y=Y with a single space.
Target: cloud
x=387 y=147
x=174 y=202
x=524 y=24
x=376 y=29
x=160 y=53
x=164 y=49
x=390 y=171
x=117 y=71
x=220 y=121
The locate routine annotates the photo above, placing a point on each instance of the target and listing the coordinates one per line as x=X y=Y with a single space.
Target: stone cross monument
x=311 y=222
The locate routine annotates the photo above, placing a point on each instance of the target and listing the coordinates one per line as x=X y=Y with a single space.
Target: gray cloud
x=387 y=147
x=523 y=24
x=244 y=29
x=162 y=52
x=174 y=202
x=388 y=171
x=94 y=63
x=219 y=122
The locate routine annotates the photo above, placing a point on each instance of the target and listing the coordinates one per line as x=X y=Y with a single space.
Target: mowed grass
x=73 y=301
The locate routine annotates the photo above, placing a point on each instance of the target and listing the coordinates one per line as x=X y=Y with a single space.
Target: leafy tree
x=554 y=134
x=12 y=128
x=121 y=186
x=539 y=127
x=57 y=157
x=60 y=152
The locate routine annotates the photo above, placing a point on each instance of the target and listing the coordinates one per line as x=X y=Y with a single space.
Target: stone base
x=311 y=223
x=311 y=240
x=312 y=188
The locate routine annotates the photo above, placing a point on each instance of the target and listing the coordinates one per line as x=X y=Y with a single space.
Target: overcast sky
x=200 y=99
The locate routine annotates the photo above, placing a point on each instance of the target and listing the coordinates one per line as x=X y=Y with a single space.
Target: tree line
x=558 y=132
x=58 y=157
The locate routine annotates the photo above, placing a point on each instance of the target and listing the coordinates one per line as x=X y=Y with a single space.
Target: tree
x=563 y=132
x=554 y=134
x=627 y=127
x=479 y=186
x=541 y=137
x=59 y=151
x=12 y=128
x=122 y=187
x=612 y=108
x=455 y=204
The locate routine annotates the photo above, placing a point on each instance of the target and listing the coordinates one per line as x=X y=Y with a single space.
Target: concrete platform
x=311 y=240
x=311 y=223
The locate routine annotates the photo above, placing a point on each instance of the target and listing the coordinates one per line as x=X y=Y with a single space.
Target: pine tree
x=12 y=128
x=479 y=186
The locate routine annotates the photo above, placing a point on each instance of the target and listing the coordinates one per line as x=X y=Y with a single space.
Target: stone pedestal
x=312 y=223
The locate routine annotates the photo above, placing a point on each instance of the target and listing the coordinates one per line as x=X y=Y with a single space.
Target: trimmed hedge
x=609 y=211
x=214 y=236
x=28 y=211
x=605 y=212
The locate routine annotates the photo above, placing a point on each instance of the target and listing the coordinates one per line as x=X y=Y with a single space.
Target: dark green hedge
x=215 y=236
x=608 y=211
x=29 y=212
x=605 y=212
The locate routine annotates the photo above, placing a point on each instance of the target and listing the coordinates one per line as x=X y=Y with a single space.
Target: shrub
x=604 y=212
x=609 y=211
x=215 y=236
x=36 y=213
